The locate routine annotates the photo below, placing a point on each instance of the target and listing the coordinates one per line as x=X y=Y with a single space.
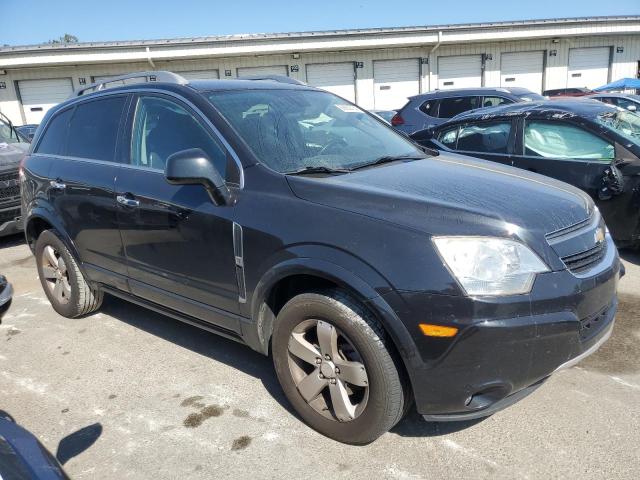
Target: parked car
x=12 y=150
x=622 y=100
x=591 y=145
x=567 y=92
x=6 y=292
x=27 y=131
x=289 y=219
x=430 y=109
x=386 y=115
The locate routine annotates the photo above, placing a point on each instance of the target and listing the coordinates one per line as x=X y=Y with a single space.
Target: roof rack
x=273 y=78
x=153 y=76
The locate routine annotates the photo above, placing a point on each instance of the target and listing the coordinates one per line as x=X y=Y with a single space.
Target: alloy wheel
x=327 y=370
x=56 y=276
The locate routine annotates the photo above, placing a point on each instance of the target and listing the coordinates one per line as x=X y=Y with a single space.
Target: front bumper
x=10 y=220
x=506 y=347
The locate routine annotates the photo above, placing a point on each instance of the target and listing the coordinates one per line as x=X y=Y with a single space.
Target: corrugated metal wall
x=624 y=64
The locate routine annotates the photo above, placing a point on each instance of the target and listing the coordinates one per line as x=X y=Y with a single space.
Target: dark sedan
x=586 y=143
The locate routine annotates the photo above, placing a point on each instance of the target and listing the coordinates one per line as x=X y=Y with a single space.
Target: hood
x=11 y=154
x=451 y=194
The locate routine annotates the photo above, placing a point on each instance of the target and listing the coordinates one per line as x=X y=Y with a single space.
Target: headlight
x=490 y=266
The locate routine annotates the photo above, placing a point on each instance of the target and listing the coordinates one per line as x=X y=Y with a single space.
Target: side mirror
x=193 y=167
x=632 y=108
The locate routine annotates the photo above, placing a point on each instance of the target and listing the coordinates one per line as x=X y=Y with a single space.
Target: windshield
x=292 y=130
x=530 y=97
x=623 y=122
x=7 y=134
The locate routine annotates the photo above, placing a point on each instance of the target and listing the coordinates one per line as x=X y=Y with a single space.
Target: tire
x=68 y=292
x=380 y=391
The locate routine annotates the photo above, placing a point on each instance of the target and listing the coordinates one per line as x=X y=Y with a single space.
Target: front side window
x=55 y=136
x=290 y=130
x=93 y=130
x=494 y=101
x=564 y=141
x=623 y=122
x=487 y=137
x=450 y=107
x=449 y=137
x=162 y=127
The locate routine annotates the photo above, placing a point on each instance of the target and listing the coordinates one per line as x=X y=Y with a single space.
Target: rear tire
x=66 y=288
x=355 y=405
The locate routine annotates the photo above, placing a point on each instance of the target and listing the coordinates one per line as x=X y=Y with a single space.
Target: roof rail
x=153 y=76
x=273 y=78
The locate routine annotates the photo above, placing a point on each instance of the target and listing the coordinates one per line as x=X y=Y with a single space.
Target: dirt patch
x=241 y=443
x=194 y=420
x=240 y=413
x=13 y=331
x=193 y=402
x=112 y=396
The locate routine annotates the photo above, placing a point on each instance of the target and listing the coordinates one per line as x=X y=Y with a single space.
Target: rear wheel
x=337 y=368
x=63 y=283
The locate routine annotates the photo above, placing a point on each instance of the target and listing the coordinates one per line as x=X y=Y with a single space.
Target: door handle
x=126 y=201
x=57 y=185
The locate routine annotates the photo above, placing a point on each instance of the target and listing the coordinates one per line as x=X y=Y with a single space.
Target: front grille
x=9 y=215
x=591 y=325
x=9 y=185
x=579 y=262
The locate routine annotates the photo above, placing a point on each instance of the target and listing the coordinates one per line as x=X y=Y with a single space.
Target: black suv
x=286 y=218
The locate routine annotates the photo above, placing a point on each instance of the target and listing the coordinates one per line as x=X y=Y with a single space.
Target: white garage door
x=200 y=74
x=394 y=81
x=588 y=67
x=338 y=78
x=38 y=96
x=463 y=71
x=522 y=69
x=271 y=70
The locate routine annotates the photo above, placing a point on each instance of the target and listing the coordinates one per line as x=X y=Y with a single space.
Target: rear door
x=178 y=243
x=82 y=176
x=564 y=151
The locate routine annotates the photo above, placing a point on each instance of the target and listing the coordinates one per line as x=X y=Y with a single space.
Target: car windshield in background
x=530 y=97
x=305 y=130
x=623 y=122
x=7 y=134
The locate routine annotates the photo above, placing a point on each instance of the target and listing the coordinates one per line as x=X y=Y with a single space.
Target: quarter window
x=486 y=137
x=558 y=140
x=162 y=127
x=93 y=131
x=450 y=107
x=55 y=136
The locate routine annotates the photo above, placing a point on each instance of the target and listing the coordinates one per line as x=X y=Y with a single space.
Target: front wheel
x=337 y=367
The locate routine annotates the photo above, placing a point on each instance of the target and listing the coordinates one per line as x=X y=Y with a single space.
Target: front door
x=566 y=152
x=178 y=243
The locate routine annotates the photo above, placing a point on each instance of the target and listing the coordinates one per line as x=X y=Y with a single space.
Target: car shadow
x=12 y=240
x=202 y=342
x=631 y=256
x=247 y=361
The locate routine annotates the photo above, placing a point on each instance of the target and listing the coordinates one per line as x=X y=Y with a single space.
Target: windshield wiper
x=317 y=169
x=387 y=159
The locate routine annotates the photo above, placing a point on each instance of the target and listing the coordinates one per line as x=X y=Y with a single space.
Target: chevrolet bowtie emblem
x=599 y=235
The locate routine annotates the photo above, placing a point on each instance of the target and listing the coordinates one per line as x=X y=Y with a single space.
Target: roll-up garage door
x=338 y=78
x=394 y=81
x=270 y=70
x=38 y=96
x=200 y=74
x=588 y=67
x=462 y=71
x=522 y=69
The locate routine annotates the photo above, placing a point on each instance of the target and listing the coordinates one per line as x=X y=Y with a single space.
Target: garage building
x=376 y=68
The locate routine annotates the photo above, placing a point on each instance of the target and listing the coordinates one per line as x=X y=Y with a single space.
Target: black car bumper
x=10 y=220
x=506 y=347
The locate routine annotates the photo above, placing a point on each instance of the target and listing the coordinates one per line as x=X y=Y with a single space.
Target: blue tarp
x=622 y=84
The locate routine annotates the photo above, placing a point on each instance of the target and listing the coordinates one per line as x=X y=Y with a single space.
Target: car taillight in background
x=397 y=120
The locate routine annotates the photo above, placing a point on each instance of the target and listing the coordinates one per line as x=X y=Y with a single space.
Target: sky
x=24 y=22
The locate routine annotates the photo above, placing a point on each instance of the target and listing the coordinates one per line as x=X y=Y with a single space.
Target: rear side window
x=450 y=107
x=494 y=101
x=564 y=141
x=55 y=136
x=93 y=130
x=430 y=107
x=486 y=137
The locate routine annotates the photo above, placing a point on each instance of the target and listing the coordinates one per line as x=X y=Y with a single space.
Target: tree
x=66 y=38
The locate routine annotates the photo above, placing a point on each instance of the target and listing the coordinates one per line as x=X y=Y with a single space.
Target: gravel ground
x=162 y=400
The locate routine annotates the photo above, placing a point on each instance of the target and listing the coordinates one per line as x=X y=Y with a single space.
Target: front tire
x=337 y=367
x=68 y=292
